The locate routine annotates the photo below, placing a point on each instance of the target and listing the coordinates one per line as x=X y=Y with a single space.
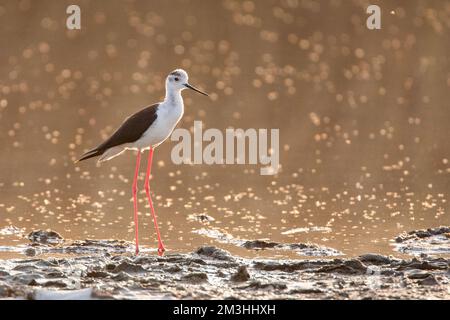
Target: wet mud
x=108 y=269
x=427 y=241
x=301 y=249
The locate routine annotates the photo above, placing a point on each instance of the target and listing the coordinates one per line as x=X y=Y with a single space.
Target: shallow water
x=363 y=118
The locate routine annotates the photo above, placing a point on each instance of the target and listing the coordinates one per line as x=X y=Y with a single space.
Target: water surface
x=363 y=118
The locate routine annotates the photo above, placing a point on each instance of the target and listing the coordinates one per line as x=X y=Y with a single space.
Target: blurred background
x=363 y=117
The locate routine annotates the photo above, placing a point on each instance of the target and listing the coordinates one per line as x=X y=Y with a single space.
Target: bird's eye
x=176 y=79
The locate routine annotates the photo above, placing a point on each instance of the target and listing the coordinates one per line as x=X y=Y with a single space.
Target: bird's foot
x=137 y=251
x=161 y=250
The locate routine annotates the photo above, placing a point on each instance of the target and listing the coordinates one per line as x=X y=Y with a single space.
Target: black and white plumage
x=147 y=129
x=150 y=126
x=131 y=130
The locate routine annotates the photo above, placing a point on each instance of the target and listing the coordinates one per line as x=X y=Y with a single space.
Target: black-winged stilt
x=147 y=129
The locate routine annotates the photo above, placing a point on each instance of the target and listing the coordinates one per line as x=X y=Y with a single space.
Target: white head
x=177 y=80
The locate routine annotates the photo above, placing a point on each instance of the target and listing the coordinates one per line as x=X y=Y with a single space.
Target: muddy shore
x=93 y=269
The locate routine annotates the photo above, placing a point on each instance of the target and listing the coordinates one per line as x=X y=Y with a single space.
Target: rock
x=439 y=230
x=54 y=274
x=277 y=266
x=121 y=276
x=93 y=246
x=31 y=252
x=432 y=241
x=301 y=246
x=128 y=267
x=175 y=258
x=356 y=265
x=5 y=291
x=25 y=268
x=44 y=263
x=418 y=275
x=304 y=249
x=173 y=269
x=310 y=249
x=215 y=253
x=27 y=277
x=428 y=281
x=404 y=237
x=45 y=237
x=305 y=291
x=373 y=258
x=265 y=286
x=33 y=283
x=97 y=274
x=195 y=278
x=289 y=266
x=350 y=267
x=423 y=265
x=144 y=260
x=241 y=275
x=110 y=266
x=52 y=283
x=194 y=261
x=259 y=244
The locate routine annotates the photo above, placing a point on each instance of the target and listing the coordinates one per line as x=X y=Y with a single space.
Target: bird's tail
x=90 y=154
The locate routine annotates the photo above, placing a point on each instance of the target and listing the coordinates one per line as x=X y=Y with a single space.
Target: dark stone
x=45 y=237
x=259 y=244
x=128 y=267
x=373 y=258
x=241 y=275
x=173 y=269
x=265 y=286
x=97 y=274
x=214 y=253
x=423 y=265
x=110 y=266
x=418 y=275
x=121 y=276
x=58 y=284
x=25 y=268
x=288 y=266
x=55 y=274
x=5 y=291
x=422 y=233
x=428 y=281
x=305 y=291
x=195 y=278
x=349 y=267
x=30 y=252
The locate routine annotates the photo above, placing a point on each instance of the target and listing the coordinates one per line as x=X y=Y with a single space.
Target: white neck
x=173 y=97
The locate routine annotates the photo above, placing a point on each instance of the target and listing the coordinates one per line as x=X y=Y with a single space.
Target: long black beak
x=187 y=85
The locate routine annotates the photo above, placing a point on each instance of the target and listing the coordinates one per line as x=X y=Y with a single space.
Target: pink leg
x=161 y=248
x=136 y=174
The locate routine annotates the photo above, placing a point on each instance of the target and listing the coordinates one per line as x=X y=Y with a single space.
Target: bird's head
x=177 y=80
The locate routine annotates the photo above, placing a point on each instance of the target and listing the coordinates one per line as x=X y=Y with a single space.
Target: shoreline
x=212 y=273
x=107 y=269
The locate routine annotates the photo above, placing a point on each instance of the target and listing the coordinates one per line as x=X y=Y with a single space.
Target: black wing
x=131 y=130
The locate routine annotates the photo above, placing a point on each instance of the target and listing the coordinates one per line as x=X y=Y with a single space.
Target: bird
x=145 y=130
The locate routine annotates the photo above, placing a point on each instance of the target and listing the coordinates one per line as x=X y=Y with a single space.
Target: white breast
x=169 y=113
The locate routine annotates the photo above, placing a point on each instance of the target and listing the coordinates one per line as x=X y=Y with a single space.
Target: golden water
x=363 y=117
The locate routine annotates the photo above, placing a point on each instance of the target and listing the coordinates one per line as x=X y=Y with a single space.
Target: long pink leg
x=161 y=248
x=136 y=174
